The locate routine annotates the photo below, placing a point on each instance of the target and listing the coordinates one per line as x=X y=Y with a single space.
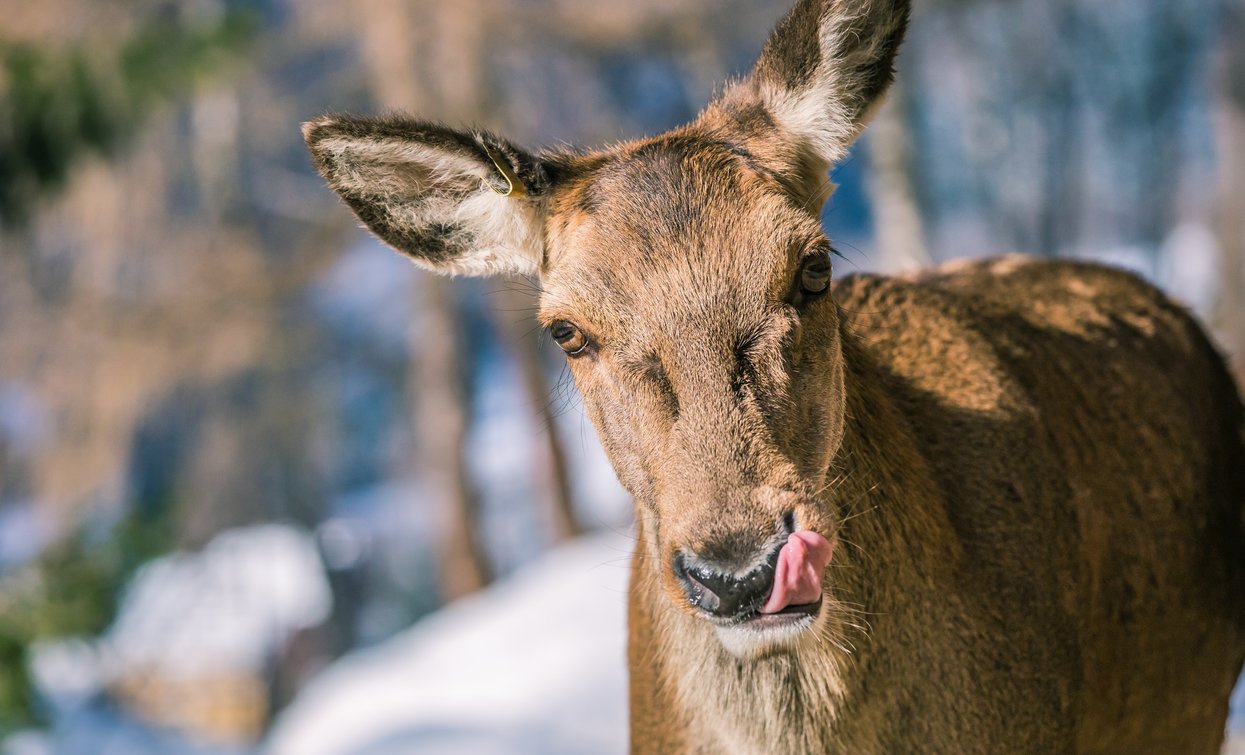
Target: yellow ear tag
x=516 y=188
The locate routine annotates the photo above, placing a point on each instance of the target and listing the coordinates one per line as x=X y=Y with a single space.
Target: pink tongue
x=797 y=576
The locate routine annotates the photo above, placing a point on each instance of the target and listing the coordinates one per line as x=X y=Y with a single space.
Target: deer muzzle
x=781 y=579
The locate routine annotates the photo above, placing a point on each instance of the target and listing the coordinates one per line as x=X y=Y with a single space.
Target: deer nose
x=723 y=592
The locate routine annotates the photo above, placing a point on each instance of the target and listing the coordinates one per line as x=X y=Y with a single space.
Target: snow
x=224 y=610
x=227 y=608
x=536 y=664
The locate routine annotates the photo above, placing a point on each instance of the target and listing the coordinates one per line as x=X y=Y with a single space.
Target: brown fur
x=1033 y=472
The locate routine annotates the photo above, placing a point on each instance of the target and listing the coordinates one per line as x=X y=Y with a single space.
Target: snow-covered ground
x=224 y=610
x=536 y=664
x=186 y=654
x=533 y=665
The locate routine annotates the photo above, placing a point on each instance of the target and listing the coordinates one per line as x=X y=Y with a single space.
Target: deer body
x=998 y=507
x=1016 y=569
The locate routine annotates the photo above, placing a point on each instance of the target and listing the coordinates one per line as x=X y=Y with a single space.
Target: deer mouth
x=797 y=574
x=793 y=605
x=759 y=634
x=784 y=590
x=783 y=617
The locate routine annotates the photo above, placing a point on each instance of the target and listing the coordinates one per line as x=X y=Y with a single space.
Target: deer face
x=700 y=329
x=688 y=280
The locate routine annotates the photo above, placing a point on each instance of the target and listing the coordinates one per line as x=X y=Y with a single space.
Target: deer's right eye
x=568 y=337
x=815 y=275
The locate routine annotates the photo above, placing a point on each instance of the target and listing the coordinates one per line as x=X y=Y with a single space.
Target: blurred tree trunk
x=465 y=95
x=892 y=190
x=1230 y=309
x=512 y=312
x=388 y=36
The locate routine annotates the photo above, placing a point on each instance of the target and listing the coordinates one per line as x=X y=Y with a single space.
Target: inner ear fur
x=820 y=76
x=461 y=202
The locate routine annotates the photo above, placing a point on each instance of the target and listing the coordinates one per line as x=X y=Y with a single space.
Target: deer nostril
x=724 y=593
x=698 y=593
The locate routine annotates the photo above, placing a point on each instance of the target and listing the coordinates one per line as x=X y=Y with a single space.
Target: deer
x=996 y=506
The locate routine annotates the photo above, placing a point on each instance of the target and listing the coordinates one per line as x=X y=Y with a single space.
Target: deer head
x=687 y=278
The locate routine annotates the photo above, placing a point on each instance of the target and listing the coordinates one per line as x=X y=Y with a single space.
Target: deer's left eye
x=815 y=275
x=568 y=337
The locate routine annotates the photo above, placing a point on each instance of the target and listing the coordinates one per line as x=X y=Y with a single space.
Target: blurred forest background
x=239 y=438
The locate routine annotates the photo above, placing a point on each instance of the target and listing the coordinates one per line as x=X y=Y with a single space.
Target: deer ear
x=456 y=202
x=821 y=73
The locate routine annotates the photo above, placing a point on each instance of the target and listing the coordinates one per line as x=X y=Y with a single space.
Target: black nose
x=722 y=592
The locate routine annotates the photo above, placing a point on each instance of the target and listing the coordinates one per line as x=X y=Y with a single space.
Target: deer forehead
x=671 y=235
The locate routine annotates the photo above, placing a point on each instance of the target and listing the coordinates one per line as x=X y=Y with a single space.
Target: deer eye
x=815 y=275
x=570 y=338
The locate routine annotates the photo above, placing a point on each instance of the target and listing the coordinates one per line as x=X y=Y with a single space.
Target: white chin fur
x=746 y=641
